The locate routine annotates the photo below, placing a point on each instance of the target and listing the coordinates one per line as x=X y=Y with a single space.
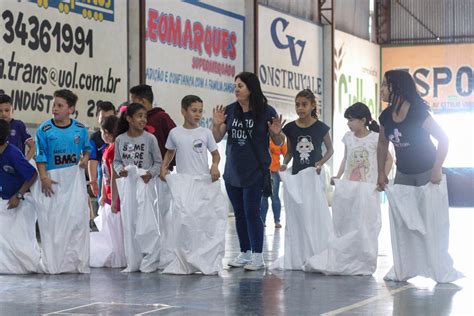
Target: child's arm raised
x=327 y=155
x=164 y=166
x=216 y=158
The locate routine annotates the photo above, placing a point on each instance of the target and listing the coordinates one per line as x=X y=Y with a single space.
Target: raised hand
x=276 y=125
x=218 y=115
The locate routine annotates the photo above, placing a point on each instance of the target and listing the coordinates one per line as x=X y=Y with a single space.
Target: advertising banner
x=79 y=45
x=290 y=58
x=357 y=79
x=193 y=48
x=444 y=74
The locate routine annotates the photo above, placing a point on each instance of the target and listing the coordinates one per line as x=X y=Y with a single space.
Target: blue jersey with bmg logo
x=61 y=147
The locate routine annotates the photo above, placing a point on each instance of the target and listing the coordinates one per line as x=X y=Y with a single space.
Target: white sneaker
x=241 y=260
x=256 y=262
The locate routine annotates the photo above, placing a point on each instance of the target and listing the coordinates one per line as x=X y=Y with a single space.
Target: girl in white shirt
x=356 y=204
x=360 y=154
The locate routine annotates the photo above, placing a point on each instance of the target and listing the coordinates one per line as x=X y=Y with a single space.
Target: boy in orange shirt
x=276 y=152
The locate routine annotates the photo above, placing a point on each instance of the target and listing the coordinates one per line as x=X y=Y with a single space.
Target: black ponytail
x=122 y=126
x=374 y=126
x=359 y=111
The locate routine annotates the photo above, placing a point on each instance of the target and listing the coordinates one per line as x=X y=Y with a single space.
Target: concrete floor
x=110 y=292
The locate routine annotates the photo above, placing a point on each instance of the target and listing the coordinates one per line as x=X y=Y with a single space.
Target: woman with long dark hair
x=248 y=122
x=407 y=123
x=419 y=207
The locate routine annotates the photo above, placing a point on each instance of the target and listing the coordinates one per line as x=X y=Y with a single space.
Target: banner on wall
x=357 y=79
x=444 y=74
x=58 y=44
x=193 y=48
x=290 y=58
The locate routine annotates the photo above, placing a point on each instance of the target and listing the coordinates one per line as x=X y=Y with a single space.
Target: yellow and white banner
x=444 y=74
x=357 y=79
x=193 y=47
x=48 y=45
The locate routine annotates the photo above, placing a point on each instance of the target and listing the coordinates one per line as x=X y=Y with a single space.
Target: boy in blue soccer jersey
x=61 y=142
x=63 y=213
x=17 y=175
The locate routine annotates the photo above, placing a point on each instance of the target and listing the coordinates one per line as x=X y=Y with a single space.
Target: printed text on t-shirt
x=134 y=153
x=238 y=132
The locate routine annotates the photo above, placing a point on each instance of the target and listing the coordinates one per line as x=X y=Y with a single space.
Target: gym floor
x=236 y=292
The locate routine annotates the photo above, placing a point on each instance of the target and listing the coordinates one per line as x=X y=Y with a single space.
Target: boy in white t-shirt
x=190 y=143
x=198 y=203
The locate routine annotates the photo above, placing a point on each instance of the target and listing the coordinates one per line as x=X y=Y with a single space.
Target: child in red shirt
x=109 y=186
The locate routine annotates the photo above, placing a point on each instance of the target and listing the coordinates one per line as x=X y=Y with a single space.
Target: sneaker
x=241 y=260
x=277 y=225
x=256 y=263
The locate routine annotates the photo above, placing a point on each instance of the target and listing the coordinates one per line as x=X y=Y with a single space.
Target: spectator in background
x=275 y=152
x=104 y=109
x=19 y=136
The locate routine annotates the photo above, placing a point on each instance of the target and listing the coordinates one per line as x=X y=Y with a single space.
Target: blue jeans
x=249 y=225
x=276 y=204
